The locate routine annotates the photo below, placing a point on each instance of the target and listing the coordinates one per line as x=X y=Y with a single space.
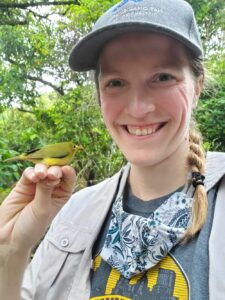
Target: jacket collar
x=215 y=168
x=91 y=213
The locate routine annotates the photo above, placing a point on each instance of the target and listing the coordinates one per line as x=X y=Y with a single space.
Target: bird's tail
x=19 y=157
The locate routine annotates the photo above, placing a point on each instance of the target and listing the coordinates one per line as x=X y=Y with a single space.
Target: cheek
x=111 y=108
x=104 y=107
x=179 y=104
x=110 y=111
x=106 y=113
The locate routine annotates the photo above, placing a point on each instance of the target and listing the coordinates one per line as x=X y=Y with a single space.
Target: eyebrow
x=169 y=64
x=165 y=65
x=174 y=63
x=108 y=72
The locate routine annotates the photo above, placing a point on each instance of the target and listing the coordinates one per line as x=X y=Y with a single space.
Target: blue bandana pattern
x=135 y=244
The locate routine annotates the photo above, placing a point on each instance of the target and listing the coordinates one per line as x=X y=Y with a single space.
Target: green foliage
x=210 y=17
x=9 y=173
x=210 y=112
x=75 y=116
x=210 y=116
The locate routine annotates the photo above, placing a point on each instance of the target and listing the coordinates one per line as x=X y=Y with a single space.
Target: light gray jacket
x=60 y=269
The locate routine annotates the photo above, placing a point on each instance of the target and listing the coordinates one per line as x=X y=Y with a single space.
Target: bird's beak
x=79 y=147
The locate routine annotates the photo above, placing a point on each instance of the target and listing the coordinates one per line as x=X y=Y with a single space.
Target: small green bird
x=59 y=154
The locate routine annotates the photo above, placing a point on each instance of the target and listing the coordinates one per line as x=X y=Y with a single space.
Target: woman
x=150 y=231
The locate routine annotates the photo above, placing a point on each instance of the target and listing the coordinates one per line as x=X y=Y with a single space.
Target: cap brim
x=85 y=54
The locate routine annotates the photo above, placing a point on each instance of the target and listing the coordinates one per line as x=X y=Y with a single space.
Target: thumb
x=69 y=179
x=42 y=204
x=53 y=192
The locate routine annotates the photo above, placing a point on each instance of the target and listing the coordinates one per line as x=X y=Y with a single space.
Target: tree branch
x=57 y=89
x=38 y=15
x=13 y=23
x=35 y=78
x=25 y=110
x=25 y=5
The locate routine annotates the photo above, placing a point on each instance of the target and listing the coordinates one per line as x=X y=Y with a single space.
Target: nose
x=141 y=102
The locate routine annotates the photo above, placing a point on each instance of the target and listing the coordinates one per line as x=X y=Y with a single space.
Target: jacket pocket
x=66 y=245
x=69 y=237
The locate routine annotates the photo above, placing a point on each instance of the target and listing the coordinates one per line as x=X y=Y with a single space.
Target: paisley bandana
x=135 y=244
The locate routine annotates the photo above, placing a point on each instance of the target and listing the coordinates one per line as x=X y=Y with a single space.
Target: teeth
x=141 y=131
x=150 y=130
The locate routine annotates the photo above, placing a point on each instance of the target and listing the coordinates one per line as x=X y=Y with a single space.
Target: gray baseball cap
x=174 y=18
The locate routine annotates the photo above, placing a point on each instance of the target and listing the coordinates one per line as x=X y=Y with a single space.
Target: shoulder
x=215 y=158
x=215 y=168
x=98 y=189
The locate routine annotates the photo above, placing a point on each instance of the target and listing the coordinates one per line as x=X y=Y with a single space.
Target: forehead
x=141 y=44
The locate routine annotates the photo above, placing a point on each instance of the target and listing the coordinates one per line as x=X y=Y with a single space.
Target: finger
x=42 y=204
x=49 y=197
x=44 y=189
x=21 y=194
x=52 y=178
x=69 y=178
x=28 y=177
x=54 y=173
x=33 y=174
x=41 y=171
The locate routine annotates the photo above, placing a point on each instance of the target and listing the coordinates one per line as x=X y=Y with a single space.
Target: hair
x=196 y=156
x=95 y=76
x=196 y=162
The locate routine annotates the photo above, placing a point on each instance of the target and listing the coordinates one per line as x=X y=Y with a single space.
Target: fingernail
x=53 y=183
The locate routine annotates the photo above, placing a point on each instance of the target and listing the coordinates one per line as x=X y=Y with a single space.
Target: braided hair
x=196 y=163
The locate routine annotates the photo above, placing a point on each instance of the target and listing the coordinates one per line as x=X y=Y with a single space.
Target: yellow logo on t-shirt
x=164 y=281
x=112 y=297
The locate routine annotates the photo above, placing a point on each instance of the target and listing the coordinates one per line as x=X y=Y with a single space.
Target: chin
x=143 y=160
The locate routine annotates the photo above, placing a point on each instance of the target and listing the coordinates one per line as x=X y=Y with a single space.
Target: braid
x=196 y=162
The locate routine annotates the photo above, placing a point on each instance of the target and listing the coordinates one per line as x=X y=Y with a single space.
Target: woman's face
x=147 y=93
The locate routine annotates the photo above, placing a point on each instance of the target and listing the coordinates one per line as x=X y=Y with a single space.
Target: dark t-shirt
x=182 y=274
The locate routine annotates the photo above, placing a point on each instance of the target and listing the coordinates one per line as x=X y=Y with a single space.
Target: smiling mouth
x=143 y=130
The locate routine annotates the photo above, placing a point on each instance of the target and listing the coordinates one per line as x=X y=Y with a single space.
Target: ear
x=197 y=90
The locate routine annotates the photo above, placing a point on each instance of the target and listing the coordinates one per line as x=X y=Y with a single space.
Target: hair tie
x=197 y=179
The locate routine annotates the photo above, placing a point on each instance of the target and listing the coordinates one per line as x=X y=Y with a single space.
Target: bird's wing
x=47 y=152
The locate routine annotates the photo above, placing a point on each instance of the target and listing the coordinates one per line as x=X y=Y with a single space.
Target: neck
x=158 y=180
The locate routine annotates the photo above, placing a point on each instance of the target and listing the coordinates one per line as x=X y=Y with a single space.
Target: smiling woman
x=141 y=91
x=150 y=231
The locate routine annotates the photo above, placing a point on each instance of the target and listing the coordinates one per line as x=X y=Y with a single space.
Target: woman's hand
x=30 y=207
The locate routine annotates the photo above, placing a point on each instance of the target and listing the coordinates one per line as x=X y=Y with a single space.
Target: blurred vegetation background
x=42 y=101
